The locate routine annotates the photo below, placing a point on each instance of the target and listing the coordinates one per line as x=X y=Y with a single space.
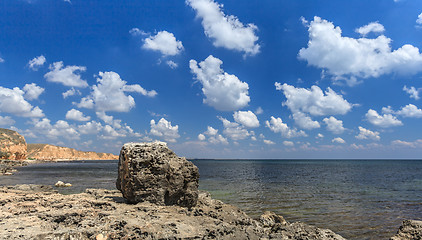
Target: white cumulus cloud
x=201 y=137
x=32 y=91
x=12 y=101
x=419 y=20
x=92 y=127
x=314 y=101
x=68 y=76
x=368 y=134
x=110 y=94
x=246 y=118
x=304 y=121
x=348 y=58
x=211 y=131
x=259 y=111
x=137 y=32
x=213 y=136
x=410 y=111
x=218 y=139
x=414 y=144
x=234 y=130
x=36 y=62
x=225 y=30
x=76 y=115
x=6 y=121
x=164 y=130
x=338 y=140
x=374 y=27
x=61 y=129
x=223 y=91
x=288 y=143
x=413 y=92
x=384 y=121
x=276 y=125
x=268 y=142
x=163 y=42
x=172 y=64
x=333 y=125
x=71 y=92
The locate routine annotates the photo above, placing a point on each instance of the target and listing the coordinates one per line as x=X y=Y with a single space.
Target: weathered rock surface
x=410 y=230
x=12 y=145
x=154 y=173
x=7 y=167
x=51 y=152
x=37 y=212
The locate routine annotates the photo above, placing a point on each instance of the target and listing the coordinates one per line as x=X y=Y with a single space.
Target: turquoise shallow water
x=359 y=199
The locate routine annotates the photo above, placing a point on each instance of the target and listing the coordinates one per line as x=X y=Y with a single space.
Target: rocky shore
x=157 y=199
x=7 y=167
x=38 y=212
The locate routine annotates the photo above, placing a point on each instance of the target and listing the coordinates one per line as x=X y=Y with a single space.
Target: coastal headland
x=14 y=151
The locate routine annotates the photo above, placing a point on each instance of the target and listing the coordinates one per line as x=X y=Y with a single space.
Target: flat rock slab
x=152 y=172
x=34 y=212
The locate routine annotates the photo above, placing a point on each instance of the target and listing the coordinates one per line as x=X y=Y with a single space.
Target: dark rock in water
x=154 y=173
x=409 y=230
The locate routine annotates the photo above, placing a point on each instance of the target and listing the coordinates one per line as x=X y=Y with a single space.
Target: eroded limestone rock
x=409 y=230
x=154 y=173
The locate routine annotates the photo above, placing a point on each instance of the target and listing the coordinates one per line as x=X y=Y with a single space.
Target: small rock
x=100 y=237
x=269 y=219
x=62 y=184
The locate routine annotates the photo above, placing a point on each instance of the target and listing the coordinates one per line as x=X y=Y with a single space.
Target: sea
x=358 y=199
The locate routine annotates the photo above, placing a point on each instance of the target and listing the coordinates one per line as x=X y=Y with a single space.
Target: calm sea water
x=359 y=199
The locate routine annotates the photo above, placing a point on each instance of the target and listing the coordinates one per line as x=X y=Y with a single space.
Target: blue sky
x=216 y=79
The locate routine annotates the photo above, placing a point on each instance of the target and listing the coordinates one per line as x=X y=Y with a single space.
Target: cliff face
x=51 y=152
x=12 y=145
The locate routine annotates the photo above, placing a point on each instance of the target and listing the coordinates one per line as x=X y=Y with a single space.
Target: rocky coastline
x=157 y=198
x=8 y=167
x=48 y=152
x=38 y=212
x=15 y=152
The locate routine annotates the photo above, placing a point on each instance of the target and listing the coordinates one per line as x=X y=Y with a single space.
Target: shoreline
x=37 y=211
x=390 y=228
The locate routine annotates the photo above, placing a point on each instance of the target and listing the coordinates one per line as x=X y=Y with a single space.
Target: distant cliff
x=12 y=145
x=51 y=152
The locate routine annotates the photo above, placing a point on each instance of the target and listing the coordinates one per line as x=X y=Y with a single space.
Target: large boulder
x=154 y=173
